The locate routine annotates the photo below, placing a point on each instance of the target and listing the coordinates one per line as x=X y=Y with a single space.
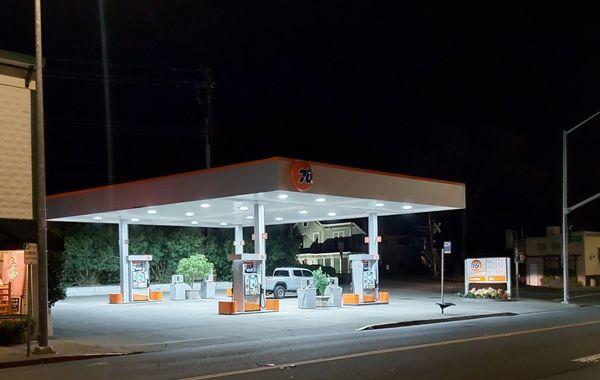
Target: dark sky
x=477 y=94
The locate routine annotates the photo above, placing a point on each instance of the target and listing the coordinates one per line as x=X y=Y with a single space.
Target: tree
x=194 y=268
x=283 y=244
x=91 y=253
x=56 y=277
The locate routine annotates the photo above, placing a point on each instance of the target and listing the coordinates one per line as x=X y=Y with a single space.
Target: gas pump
x=139 y=273
x=248 y=282
x=365 y=281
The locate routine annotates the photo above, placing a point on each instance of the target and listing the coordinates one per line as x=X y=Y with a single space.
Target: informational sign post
x=488 y=270
x=445 y=251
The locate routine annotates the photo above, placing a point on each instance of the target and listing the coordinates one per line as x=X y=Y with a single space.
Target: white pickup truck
x=288 y=280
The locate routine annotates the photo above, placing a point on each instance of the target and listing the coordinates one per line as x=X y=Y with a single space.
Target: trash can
x=207 y=290
x=335 y=295
x=178 y=291
x=307 y=298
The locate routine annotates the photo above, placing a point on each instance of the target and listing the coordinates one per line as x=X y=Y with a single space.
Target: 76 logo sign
x=301 y=175
x=305 y=176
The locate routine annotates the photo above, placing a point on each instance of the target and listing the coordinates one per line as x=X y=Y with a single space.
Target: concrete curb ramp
x=390 y=325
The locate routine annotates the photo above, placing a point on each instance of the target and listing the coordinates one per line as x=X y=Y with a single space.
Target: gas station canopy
x=291 y=191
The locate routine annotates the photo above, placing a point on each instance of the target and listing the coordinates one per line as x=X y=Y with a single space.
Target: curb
x=60 y=359
x=380 y=326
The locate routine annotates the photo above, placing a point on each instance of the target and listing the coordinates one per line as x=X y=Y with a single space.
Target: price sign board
x=489 y=270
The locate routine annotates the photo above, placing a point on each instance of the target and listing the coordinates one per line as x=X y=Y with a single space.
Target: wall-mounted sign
x=490 y=270
x=301 y=175
x=13 y=270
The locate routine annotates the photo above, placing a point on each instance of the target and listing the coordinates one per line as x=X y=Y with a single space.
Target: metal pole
x=516 y=277
x=442 y=282
x=29 y=292
x=40 y=190
x=565 y=239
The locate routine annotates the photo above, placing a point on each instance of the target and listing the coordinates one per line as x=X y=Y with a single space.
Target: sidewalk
x=13 y=356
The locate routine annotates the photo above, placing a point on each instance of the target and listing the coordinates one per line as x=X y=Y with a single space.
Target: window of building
x=316 y=237
x=541 y=246
x=338 y=234
x=304 y=224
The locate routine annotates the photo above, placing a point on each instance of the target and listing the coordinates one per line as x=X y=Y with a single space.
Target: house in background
x=544 y=257
x=329 y=244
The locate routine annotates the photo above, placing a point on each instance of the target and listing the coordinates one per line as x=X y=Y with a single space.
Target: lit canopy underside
x=225 y=196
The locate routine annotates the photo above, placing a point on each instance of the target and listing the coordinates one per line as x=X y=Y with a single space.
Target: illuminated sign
x=301 y=175
x=491 y=270
x=13 y=270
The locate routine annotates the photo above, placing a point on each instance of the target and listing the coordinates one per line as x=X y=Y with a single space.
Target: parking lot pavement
x=162 y=325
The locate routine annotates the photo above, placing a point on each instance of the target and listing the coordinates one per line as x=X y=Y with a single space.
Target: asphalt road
x=542 y=345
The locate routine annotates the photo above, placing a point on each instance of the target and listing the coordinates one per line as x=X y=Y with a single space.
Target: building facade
x=544 y=258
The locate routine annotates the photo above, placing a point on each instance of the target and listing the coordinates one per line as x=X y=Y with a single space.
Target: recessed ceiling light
x=204 y=205
x=249 y=217
x=194 y=222
x=152 y=212
x=282 y=196
x=407 y=207
x=303 y=212
x=189 y=213
x=223 y=224
x=279 y=219
x=243 y=208
x=331 y=214
x=97 y=217
x=135 y=220
x=378 y=204
x=320 y=200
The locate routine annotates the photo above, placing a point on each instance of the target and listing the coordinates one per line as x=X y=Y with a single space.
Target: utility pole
x=40 y=190
x=208 y=86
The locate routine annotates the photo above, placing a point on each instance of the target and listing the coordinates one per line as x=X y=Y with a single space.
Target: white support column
x=373 y=229
x=259 y=229
x=508 y=277
x=123 y=262
x=238 y=239
x=259 y=244
x=373 y=251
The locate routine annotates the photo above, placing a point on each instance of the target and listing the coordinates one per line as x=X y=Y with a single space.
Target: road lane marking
x=392 y=350
x=587 y=359
x=580 y=296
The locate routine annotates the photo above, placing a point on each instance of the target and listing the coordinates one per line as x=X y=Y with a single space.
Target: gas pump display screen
x=138 y=275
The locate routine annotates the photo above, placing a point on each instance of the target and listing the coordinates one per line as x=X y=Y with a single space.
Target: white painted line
x=587 y=359
x=580 y=296
x=394 y=349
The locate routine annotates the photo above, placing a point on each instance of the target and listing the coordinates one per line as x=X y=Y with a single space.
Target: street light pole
x=566 y=209
x=40 y=191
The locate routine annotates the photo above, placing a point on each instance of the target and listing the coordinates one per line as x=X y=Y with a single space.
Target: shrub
x=330 y=271
x=194 y=268
x=56 y=277
x=321 y=281
x=14 y=331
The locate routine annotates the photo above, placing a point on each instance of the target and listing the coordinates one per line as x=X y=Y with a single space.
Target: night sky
x=473 y=94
